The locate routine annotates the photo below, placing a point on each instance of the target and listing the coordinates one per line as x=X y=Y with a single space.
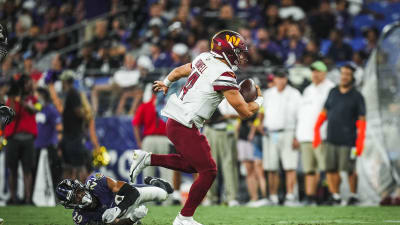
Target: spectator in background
x=20 y=38
x=293 y=46
x=52 y=75
x=200 y=47
x=160 y=59
x=153 y=34
x=227 y=18
x=21 y=134
x=249 y=11
x=343 y=17
x=312 y=102
x=210 y=14
x=84 y=63
x=251 y=157
x=323 y=21
x=289 y=10
x=153 y=138
x=179 y=55
x=118 y=30
x=72 y=146
x=359 y=59
x=372 y=35
x=49 y=126
x=280 y=103
x=40 y=48
x=246 y=34
x=53 y=21
x=345 y=111
x=339 y=51
x=219 y=133
x=107 y=61
x=100 y=34
x=267 y=48
x=124 y=78
x=272 y=19
x=135 y=91
x=29 y=69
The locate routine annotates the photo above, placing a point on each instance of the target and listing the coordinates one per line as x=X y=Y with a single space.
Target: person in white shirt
x=312 y=103
x=279 y=144
x=219 y=132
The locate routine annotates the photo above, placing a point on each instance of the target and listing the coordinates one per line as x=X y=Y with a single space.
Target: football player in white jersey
x=211 y=78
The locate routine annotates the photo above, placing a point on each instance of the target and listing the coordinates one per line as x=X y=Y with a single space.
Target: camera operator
x=21 y=134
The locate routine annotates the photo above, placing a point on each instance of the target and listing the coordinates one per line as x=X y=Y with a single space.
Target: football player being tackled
x=211 y=78
x=103 y=200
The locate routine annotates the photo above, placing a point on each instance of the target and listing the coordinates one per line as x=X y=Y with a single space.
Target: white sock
x=147 y=160
x=354 y=195
x=148 y=194
x=185 y=217
x=176 y=195
x=290 y=196
x=274 y=198
x=336 y=196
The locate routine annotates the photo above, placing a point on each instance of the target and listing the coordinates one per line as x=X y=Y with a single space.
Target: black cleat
x=158 y=182
x=353 y=201
x=334 y=201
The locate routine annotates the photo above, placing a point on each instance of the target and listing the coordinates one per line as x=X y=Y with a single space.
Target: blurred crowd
x=70 y=62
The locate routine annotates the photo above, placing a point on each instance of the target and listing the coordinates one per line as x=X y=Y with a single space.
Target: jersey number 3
x=189 y=83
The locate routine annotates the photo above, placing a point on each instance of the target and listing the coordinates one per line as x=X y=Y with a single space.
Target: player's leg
x=178 y=134
x=332 y=176
x=199 y=156
x=262 y=183
x=290 y=159
x=229 y=159
x=271 y=164
x=12 y=166
x=213 y=138
x=27 y=165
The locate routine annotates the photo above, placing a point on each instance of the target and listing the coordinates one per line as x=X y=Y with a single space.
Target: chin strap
x=361 y=128
x=317 y=134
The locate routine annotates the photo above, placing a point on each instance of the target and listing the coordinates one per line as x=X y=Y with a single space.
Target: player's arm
x=125 y=196
x=174 y=75
x=244 y=109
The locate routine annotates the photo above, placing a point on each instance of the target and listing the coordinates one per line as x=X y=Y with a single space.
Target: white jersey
x=201 y=94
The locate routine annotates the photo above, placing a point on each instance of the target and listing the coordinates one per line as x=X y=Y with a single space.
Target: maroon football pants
x=194 y=156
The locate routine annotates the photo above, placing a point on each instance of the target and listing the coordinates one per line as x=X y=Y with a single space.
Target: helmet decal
x=232 y=39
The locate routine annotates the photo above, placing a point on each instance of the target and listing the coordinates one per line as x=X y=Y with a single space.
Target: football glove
x=139 y=213
x=111 y=214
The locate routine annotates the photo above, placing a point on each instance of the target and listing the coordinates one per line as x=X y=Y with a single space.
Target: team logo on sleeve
x=98 y=176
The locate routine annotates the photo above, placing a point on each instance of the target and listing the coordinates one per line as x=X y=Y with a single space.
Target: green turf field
x=223 y=215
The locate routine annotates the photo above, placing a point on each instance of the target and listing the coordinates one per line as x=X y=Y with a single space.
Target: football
x=248 y=90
